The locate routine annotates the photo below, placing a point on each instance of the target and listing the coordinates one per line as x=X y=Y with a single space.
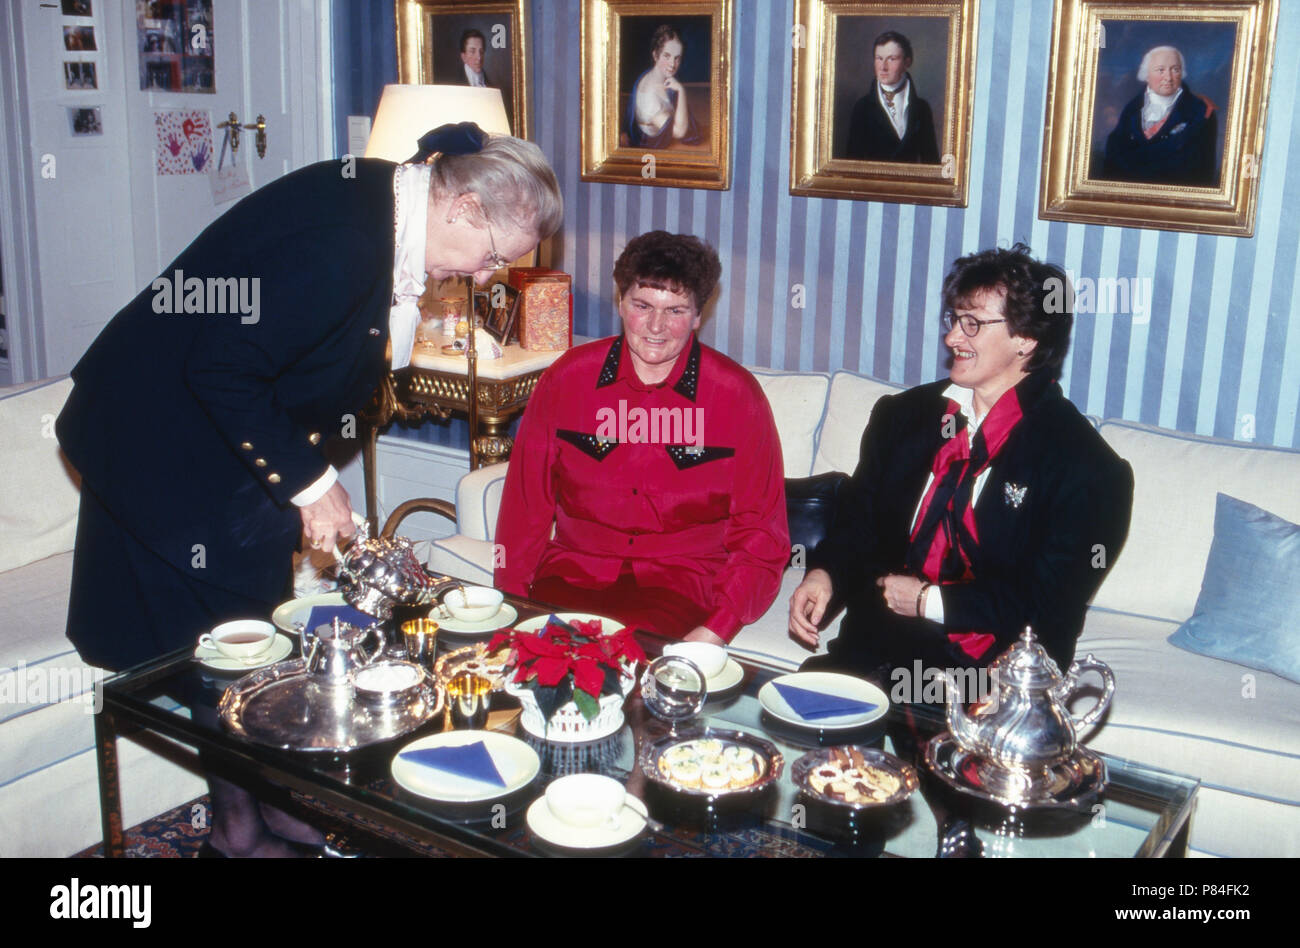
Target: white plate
x=608 y=626
x=280 y=649
x=631 y=821
x=517 y=763
x=449 y=623
x=829 y=683
x=730 y=676
x=297 y=610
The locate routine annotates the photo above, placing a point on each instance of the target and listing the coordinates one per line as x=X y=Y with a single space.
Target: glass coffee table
x=1143 y=812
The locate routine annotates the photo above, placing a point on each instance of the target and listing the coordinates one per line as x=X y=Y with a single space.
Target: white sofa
x=1236 y=729
x=49 y=791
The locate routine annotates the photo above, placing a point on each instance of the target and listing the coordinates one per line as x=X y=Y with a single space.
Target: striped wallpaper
x=1209 y=356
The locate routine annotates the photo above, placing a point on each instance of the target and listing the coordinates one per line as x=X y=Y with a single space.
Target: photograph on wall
x=478 y=43
x=79 y=39
x=883 y=96
x=77 y=8
x=80 y=76
x=184 y=141
x=657 y=93
x=85 y=121
x=176 y=45
x=1156 y=114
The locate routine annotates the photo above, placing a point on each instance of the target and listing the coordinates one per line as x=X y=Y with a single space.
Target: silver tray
x=1072 y=784
x=282 y=706
x=907 y=779
x=764 y=750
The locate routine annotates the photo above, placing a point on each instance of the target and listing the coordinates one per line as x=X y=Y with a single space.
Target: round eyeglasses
x=969 y=324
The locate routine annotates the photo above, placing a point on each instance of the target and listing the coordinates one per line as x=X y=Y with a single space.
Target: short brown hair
x=678 y=263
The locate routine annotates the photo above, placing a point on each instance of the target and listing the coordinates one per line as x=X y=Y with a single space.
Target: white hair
x=1146 y=61
x=512 y=179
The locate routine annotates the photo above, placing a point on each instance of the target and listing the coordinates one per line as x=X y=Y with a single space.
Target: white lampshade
x=406 y=112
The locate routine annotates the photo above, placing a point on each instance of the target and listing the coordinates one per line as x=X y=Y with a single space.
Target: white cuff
x=317 y=490
x=933 y=605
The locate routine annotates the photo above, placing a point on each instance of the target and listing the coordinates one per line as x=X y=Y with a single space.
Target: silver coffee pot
x=377 y=573
x=1025 y=725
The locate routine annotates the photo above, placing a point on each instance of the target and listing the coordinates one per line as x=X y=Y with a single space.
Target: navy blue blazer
x=1182 y=152
x=872 y=136
x=1038 y=562
x=198 y=428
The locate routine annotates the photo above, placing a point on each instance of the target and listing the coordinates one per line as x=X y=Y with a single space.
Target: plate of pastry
x=854 y=775
x=712 y=762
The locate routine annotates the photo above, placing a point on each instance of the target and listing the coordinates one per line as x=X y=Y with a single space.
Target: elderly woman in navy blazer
x=981 y=504
x=197 y=416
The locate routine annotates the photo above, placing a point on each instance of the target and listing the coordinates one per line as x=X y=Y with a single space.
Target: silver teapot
x=376 y=574
x=333 y=652
x=1025 y=725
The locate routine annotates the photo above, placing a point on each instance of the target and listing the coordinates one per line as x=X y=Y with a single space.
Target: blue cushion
x=1249 y=607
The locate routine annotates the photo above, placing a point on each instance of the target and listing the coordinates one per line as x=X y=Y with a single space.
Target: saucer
x=829 y=683
x=280 y=649
x=730 y=676
x=551 y=829
x=449 y=623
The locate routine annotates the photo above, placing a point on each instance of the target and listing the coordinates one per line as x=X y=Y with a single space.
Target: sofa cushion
x=478 y=498
x=38 y=507
x=798 y=401
x=1235 y=729
x=848 y=408
x=768 y=640
x=810 y=509
x=1176 y=479
x=1250 y=596
x=460 y=556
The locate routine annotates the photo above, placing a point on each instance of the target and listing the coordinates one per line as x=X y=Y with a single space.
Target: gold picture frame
x=1096 y=169
x=622 y=141
x=838 y=146
x=429 y=35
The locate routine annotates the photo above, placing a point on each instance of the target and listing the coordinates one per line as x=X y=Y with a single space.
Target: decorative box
x=545 y=307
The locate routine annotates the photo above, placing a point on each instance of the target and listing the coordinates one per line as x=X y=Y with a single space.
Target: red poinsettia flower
x=588 y=677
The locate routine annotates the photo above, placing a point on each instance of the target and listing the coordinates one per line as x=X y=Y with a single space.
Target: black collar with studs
x=687 y=386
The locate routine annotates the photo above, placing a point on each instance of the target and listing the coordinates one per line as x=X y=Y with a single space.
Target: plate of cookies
x=712 y=762
x=854 y=775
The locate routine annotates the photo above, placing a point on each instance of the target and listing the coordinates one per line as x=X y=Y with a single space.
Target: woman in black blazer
x=980 y=505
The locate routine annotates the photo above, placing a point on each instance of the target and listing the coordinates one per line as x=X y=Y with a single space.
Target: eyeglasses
x=494 y=260
x=969 y=324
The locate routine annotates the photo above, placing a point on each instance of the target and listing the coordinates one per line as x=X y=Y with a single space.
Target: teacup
x=474 y=603
x=710 y=659
x=244 y=640
x=586 y=801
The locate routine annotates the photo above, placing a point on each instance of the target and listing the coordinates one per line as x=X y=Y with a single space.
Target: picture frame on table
x=1181 y=147
x=882 y=98
x=443 y=42
x=502 y=319
x=656 y=101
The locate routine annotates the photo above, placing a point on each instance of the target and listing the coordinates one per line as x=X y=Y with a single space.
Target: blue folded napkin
x=467 y=760
x=324 y=615
x=813 y=705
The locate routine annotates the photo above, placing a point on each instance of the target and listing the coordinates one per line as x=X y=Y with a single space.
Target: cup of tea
x=421 y=639
x=244 y=640
x=474 y=603
x=468 y=695
x=710 y=659
x=586 y=800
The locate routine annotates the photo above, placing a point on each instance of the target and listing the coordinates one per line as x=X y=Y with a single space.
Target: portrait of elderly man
x=1167 y=133
x=473 y=49
x=892 y=122
x=655 y=461
x=657 y=113
x=981 y=504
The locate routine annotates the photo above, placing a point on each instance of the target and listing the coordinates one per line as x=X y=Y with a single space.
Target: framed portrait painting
x=882 y=100
x=1155 y=113
x=471 y=43
x=656 y=102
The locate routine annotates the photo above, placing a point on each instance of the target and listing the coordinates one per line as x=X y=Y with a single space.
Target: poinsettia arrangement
x=570 y=661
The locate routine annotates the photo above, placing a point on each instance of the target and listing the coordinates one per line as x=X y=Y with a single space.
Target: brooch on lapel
x=1014 y=494
x=1178 y=128
x=374 y=331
